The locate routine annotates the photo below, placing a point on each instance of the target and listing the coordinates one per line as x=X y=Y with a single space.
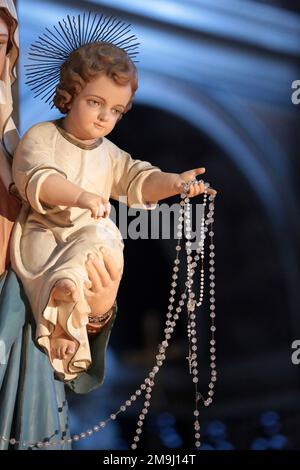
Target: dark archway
x=248 y=261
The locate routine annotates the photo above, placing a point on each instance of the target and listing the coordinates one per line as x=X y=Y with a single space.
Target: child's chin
x=96 y=135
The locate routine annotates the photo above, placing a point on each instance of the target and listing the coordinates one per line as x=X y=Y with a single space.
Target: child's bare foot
x=65 y=290
x=62 y=346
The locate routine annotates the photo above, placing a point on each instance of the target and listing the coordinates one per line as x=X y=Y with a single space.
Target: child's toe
x=70 y=349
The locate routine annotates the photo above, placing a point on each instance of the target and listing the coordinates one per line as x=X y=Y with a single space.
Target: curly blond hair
x=88 y=62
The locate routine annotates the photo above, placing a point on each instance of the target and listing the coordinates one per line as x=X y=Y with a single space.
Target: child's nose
x=103 y=115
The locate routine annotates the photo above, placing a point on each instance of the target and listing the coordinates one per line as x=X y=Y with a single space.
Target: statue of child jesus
x=65 y=172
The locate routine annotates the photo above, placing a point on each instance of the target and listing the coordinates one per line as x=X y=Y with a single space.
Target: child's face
x=96 y=109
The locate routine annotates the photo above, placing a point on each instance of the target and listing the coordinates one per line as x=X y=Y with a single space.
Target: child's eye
x=116 y=111
x=93 y=103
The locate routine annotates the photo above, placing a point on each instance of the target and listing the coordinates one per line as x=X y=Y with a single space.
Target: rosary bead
x=192 y=263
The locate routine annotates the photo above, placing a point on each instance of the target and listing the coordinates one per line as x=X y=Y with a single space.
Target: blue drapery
x=33 y=405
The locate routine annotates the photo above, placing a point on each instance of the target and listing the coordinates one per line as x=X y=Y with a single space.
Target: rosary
x=189 y=299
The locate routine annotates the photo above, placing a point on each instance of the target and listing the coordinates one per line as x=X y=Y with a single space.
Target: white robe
x=51 y=243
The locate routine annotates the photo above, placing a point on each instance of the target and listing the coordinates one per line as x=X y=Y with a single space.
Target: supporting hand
x=105 y=277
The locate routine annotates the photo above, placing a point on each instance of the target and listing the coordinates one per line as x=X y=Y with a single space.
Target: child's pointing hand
x=196 y=188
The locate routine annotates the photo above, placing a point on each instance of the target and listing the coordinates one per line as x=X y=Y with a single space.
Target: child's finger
x=94 y=211
x=201 y=188
x=107 y=207
x=191 y=192
x=100 y=211
x=212 y=192
x=199 y=171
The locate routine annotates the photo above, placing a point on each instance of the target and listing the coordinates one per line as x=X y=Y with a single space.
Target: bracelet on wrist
x=96 y=320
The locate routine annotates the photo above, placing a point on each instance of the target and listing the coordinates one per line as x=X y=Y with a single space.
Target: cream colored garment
x=51 y=243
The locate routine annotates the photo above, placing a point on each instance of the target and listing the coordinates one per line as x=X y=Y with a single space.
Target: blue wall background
x=218 y=74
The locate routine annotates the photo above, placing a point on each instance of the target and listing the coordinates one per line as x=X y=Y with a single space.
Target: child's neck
x=67 y=126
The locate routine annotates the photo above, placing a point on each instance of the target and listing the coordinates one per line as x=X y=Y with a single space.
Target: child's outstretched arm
x=160 y=185
x=57 y=191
